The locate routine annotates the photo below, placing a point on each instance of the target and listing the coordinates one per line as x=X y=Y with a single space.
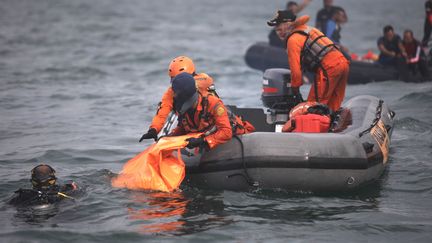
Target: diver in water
x=45 y=190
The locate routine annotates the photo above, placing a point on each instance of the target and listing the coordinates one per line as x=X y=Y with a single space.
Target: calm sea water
x=79 y=84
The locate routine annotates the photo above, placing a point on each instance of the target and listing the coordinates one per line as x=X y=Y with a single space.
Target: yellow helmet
x=181 y=64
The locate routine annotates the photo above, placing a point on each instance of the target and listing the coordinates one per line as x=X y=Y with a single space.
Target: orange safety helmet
x=181 y=64
x=204 y=83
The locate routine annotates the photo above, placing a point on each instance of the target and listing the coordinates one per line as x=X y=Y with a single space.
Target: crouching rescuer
x=204 y=86
x=203 y=122
x=199 y=114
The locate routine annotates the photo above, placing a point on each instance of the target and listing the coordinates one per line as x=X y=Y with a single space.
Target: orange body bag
x=156 y=168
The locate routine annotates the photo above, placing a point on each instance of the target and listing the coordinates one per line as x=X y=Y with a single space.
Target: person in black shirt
x=325 y=14
x=391 y=47
x=393 y=52
x=44 y=190
x=428 y=23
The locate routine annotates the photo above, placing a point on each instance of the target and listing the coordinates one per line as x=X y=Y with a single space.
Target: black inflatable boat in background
x=262 y=56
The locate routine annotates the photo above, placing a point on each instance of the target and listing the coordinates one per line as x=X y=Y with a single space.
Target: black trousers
x=427 y=32
x=421 y=66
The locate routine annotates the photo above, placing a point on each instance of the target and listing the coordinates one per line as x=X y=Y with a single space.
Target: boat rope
x=376 y=120
x=245 y=175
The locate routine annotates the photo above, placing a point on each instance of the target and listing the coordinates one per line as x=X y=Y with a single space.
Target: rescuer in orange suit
x=199 y=114
x=309 y=49
x=205 y=86
x=178 y=65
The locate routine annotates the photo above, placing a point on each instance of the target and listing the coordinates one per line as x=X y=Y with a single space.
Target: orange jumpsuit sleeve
x=166 y=106
x=223 y=131
x=294 y=47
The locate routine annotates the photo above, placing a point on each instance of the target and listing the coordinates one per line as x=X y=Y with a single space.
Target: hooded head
x=185 y=92
x=43 y=177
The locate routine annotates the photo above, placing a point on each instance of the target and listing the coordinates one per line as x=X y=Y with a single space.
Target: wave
x=62 y=97
x=412 y=124
x=127 y=57
x=425 y=97
x=85 y=156
x=73 y=72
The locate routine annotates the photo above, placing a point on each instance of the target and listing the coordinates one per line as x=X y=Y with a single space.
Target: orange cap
x=181 y=64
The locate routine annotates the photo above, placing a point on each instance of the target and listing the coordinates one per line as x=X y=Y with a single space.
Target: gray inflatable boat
x=355 y=153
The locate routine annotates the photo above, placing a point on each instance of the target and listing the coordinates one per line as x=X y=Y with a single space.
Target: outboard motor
x=277 y=96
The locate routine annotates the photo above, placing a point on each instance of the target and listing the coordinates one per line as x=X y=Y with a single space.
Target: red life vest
x=312 y=123
x=206 y=124
x=303 y=121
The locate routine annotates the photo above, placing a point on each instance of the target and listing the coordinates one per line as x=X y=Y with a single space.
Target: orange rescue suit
x=332 y=74
x=210 y=116
x=166 y=104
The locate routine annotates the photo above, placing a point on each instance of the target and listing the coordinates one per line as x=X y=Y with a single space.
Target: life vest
x=238 y=125
x=206 y=124
x=311 y=123
x=308 y=117
x=316 y=46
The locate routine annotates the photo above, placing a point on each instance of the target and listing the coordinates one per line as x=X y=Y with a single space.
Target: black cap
x=185 y=93
x=282 y=16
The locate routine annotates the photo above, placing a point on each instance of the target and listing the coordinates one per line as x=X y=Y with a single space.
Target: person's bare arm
x=386 y=52
x=403 y=51
x=303 y=5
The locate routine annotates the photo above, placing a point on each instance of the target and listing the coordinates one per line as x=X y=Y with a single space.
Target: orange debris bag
x=156 y=168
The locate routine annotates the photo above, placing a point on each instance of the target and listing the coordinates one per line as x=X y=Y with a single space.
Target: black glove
x=195 y=142
x=151 y=133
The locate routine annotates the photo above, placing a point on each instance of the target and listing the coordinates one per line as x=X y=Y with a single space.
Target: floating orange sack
x=156 y=168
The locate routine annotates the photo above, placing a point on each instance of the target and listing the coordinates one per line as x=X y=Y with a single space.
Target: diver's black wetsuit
x=28 y=197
